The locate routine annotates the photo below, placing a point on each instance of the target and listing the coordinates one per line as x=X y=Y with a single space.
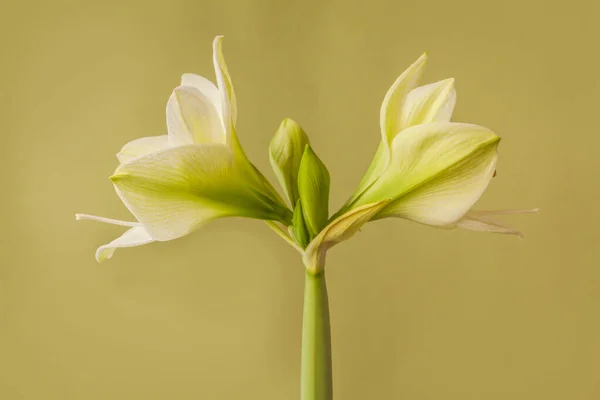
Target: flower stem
x=316 y=377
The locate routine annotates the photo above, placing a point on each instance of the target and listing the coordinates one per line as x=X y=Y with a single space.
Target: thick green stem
x=316 y=379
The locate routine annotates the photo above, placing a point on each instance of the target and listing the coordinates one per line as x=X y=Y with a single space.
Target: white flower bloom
x=175 y=183
x=430 y=169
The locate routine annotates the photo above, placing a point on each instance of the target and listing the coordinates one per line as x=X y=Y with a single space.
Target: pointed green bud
x=313 y=189
x=298 y=228
x=285 y=151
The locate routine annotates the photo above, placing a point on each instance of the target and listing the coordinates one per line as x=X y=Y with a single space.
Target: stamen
x=106 y=220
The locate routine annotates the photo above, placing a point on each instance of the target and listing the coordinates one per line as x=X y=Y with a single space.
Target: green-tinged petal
x=391 y=109
x=437 y=172
x=175 y=191
x=342 y=228
x=391 y=124
x=142 y=146
x=482 y=221
x=430 y=103
x=375 y=169
x=205 y=86
x=313 y=190
x=228 y=100
x=135 y=236
x=225 y=85
x=229 y=115
x=193 y=118
x=285 y=152
x=298 y=228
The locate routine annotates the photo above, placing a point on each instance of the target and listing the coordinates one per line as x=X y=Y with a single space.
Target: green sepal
x=313 y=190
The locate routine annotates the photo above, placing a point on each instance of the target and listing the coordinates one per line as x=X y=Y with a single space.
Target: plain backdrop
x=417 y=312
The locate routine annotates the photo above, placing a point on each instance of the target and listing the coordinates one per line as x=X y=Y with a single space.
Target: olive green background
x=417 y=312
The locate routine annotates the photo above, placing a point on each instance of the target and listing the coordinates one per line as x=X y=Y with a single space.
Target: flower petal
x=436 y=173
x=391 y=109
x=142 y=146
x=175 y=191
x=341 y=229
x=193 y=118
x=225 y=85
x=228 y=104
x=205 y=86
x=135 y=236
x=391 y=123
x=481 y=221
x=430 y=103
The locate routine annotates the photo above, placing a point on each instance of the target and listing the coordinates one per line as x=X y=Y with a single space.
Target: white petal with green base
x=437 y=172
x=175 y=191
x=136 y=236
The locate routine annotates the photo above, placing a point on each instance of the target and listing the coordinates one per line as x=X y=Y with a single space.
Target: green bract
x=426 y=169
